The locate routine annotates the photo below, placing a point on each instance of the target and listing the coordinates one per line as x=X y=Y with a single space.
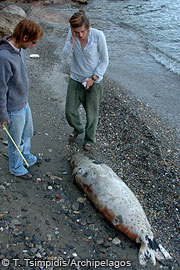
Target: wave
x=171 y=63
x=164 y=59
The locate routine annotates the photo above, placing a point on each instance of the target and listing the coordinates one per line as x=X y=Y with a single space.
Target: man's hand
x=90 y=82
x=4 y=123
x=73 y=37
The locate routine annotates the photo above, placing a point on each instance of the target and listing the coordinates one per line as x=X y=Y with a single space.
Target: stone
x=49 y=237
x=75 y=206
x=47 y=3
x=16 y=222
x=90 y=220
x=13 y=9
x=8 y=23
x=92 y=227
x=24 y=209
x=116 y=241
x=81 y=1
x=106 y=244
x=29 y=244
x=34 y=250
x=99 y=241
x=47 y=222
x=81 y=200
x=87 y=232
x=102 y=250
x=82 y=222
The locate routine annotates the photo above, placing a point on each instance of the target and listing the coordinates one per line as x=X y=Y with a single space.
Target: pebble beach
x=48 y=217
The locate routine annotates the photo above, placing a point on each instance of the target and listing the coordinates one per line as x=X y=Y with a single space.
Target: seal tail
x=152 y=251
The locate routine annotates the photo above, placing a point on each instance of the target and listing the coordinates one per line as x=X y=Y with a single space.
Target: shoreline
x=130 y=139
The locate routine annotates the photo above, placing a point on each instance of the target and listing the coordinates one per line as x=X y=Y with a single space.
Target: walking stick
x=15 y=145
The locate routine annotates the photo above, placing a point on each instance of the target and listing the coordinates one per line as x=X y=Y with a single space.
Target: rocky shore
x=48 y=217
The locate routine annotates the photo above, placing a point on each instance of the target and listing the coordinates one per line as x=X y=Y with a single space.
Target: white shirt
x=93 y=59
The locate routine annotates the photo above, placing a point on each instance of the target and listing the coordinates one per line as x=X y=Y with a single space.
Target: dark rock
x=47 y=222
x=87 y=233
x=106 y=244
x=75 y=206
x=90 y=220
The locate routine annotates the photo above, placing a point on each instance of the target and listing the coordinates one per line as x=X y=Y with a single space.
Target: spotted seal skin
x=118 y=204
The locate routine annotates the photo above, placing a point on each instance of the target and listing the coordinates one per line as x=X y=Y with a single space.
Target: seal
x=118 y=204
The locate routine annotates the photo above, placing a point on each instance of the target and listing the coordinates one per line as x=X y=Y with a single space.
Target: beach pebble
x=90 y=220
x=116 y=241
x=34 y=250
x=75 y=206
x=49 y=237
x=99 y=241
x=81 y=200
x=16 y=222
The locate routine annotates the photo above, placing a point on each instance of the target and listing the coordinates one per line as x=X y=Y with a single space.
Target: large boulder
x=8 y=22
x=13 y=9
x=81 y=1
x=44 y=13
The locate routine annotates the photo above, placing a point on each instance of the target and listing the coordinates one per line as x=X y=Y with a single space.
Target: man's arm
x=5 y=74
x=103 y=55
x=68 y=47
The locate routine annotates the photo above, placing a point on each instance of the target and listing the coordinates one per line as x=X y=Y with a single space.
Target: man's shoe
x=87 y=146
x=72 y=136
x=38 y=162
x=26 y=176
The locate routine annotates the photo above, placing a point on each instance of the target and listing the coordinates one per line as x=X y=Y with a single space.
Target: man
x=14 y=84
x=89 y=63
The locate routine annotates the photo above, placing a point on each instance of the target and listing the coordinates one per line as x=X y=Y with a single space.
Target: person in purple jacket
x=89 y=63
x=14 y=85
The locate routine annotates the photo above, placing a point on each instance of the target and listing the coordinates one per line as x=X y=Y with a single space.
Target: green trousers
x=90 y=99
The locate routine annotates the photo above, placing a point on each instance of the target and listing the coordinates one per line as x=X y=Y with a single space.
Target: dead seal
x=118 y=204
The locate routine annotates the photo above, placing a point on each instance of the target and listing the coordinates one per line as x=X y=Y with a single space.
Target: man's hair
x=27 y=28
x=79 y=19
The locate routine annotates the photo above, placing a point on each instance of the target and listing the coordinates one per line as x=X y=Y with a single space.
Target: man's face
x=81 y=32
x=28 y=43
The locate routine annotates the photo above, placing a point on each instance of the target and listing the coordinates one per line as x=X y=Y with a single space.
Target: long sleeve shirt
x=93 y=59
x=14 y=82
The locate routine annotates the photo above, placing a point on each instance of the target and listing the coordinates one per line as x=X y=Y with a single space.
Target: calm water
x=155 y=22
x=143 y=40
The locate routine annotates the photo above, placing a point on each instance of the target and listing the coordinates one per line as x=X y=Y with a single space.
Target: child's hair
x=79 y=19
x=27 y=28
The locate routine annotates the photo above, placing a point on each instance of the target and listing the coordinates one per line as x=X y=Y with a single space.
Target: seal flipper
x=162 y=254
x=146 y=254
x=152 y=251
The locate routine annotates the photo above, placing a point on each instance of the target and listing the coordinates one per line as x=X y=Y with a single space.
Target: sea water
x=144 y=50
x=143 y=40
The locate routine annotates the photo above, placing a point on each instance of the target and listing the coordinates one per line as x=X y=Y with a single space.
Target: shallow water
x=156 y=24
x=142 y=38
